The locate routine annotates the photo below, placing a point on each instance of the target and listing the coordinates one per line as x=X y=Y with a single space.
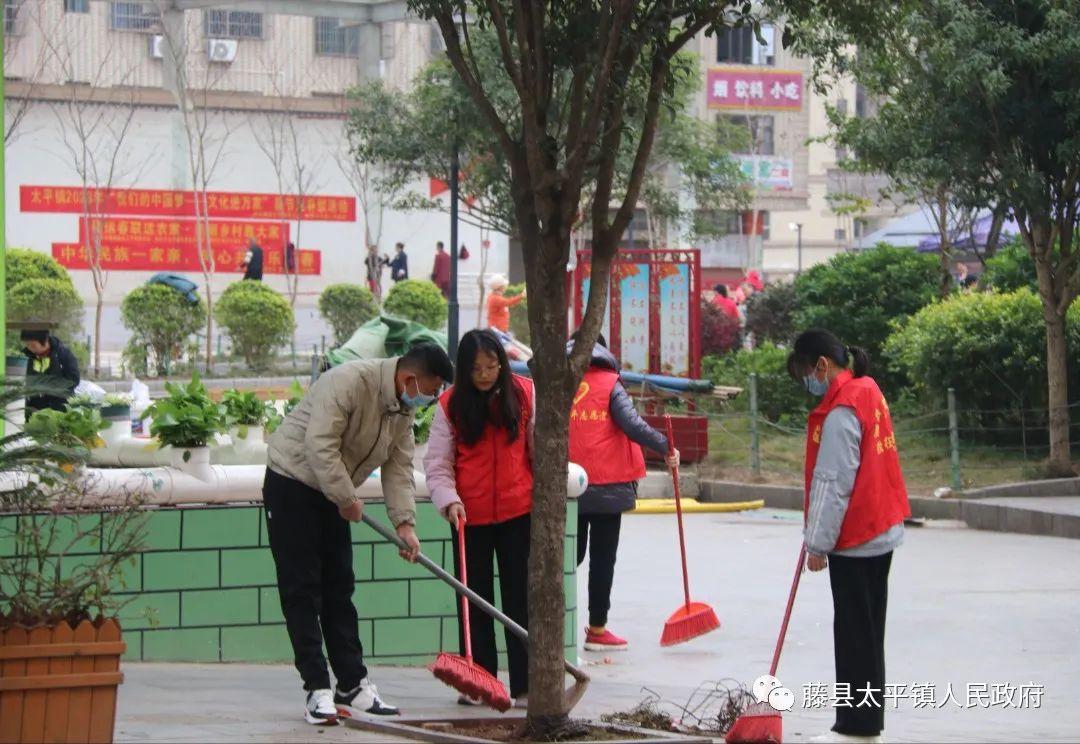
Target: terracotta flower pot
x=58 y=683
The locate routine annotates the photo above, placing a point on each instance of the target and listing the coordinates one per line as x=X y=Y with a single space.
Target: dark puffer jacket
x=614 y=498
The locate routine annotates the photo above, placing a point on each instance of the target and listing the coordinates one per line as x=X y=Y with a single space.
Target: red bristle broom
x=693 y=618
x=463 y=673
x=760 y=723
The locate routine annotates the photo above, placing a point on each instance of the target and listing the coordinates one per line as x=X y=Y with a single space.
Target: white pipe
x=124 y=450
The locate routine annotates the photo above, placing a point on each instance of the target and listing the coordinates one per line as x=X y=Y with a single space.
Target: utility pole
x=452 y=323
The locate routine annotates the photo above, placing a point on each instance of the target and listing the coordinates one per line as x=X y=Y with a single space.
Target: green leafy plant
x=21 y=264
x=858 y=295
x=273 y=418
x=186 y=417
x=422 y=424
x=161 y=319
x=75 y=427
x=779 y=397
x=417 y=300
x=257 y=319
x=346 y=307
x=244 y=410
x=1011 y=268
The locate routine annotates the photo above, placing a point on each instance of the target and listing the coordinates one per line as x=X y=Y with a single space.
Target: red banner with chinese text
x=150 y=233
x=177 y=257
x=754 y=88
x=161 y=203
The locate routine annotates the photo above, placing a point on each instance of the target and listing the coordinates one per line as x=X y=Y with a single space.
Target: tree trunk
x=1057 y=371
x=942 y=206
x=97 y=333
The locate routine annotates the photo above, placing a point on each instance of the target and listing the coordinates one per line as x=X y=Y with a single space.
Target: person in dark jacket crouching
x=606 y=437
x=54 y=365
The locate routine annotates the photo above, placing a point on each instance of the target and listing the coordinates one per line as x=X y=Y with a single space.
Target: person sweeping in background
x=606 y=437
x=855 y=507
x=479 y=470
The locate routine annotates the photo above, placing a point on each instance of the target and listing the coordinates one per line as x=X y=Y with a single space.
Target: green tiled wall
x=205 y=590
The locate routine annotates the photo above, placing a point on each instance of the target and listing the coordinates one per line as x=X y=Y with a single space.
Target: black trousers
x=313 y=554
x=598 y=535
x=508 y=542
x=860 y=589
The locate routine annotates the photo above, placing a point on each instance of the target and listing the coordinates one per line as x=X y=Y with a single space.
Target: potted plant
x=186 y=420
x=59 y=637
x=116 y=407
x=77 y=430
x=274 y=417
x=246 y=415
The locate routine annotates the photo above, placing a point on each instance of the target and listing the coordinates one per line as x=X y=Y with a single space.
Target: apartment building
x=92 y=91
x=792 y=221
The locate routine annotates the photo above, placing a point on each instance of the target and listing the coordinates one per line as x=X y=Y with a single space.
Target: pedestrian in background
x=252 y=264
x=399 y=264
x=373 y=266
x=440 y=273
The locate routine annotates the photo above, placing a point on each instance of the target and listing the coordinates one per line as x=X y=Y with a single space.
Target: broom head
x=471 y=680
x=759 y=724
x=688 y=622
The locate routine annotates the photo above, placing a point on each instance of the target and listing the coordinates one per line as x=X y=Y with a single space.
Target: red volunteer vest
x=494 y=476
x=879 y=499
x=596 y=442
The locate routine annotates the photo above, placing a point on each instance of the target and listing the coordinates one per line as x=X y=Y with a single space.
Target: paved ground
x=1055 y=504
x=966 y=607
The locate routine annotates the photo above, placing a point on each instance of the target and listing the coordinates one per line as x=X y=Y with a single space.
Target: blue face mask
x=814 y=386
x=416 y=401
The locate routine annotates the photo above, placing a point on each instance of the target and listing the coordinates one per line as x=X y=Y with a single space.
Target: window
x=76 y=6
x=132 y=17
x=741 y=47
x=839 y=235
x=386 y=41
x=760 y=131
x=233 y=24
x=858 y=226
x=11 y=17
x=331 y=39
x=738 y=223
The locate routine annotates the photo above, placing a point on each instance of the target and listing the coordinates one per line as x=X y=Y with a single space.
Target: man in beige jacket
x=355 y=418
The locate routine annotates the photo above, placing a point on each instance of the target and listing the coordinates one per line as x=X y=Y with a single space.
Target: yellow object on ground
x=690 y=506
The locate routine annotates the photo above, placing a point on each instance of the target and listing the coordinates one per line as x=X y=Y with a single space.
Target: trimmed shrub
x=21 y=264
x=770 y=313
x=1011 y=268
x=990 y=348
x=779 y=397
x=257 y=319
x=161 y=319
x=858 y=295
x=346 y=307
x=417 y=300
x=50 y=300
x=720 y=333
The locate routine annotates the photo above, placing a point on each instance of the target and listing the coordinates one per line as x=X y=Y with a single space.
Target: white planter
x=247 y=437
x=194 y=461
x=116 y=432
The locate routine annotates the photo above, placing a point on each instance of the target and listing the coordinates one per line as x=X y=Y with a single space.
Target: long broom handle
x=787 y=611
x=464 y=582
x=462 y=589
x=678 y=511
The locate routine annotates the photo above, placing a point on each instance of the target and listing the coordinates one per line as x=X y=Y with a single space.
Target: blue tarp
x=664 y=382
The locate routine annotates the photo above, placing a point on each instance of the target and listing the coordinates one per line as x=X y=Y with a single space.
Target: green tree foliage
x=418 y=300
x=161 y=320
x=1012 y=268
x=22 y=264
x=780 y=398
x=257 y=319
x=858 y=295
x=519 y=314
x=346 y=307
x=770 y=313
x=53 y=301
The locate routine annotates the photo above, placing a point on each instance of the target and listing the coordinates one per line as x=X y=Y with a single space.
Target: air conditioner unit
x=157 y=46
x=221 y=50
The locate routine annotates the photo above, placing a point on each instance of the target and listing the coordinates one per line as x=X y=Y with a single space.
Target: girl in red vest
x=479 y=471
x=854 y=508
x=606 y=437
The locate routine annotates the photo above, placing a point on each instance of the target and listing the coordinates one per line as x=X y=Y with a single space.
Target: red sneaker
x=606 y=641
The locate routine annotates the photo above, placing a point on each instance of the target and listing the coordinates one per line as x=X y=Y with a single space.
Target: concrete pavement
x=967 y=607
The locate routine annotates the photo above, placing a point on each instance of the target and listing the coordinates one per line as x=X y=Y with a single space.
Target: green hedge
x=346 y=307
x=161 y=319
x=257 y=319
x=779 y=397
x=417 y=300
x=51 y=300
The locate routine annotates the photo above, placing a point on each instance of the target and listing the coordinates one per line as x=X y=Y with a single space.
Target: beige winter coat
x=350 y=423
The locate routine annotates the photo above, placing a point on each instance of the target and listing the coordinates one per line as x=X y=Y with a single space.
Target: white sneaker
x=320 y=710
x=364 y=700
x=521 y=702
x=833 y=737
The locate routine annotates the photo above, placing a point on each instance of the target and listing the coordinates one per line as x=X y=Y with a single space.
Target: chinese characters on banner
x=178 y=257
x=634 y=316
x=151 y=229
x=158 y=203
x=674 y=319
x=752 y=88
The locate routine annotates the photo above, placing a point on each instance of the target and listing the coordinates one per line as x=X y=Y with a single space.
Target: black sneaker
x=363 y=700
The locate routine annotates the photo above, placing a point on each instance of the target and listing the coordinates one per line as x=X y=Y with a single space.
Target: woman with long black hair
x=855 y=507
x=479 y=471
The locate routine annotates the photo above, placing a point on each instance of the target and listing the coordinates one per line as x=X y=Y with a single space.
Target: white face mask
x=814 y=386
